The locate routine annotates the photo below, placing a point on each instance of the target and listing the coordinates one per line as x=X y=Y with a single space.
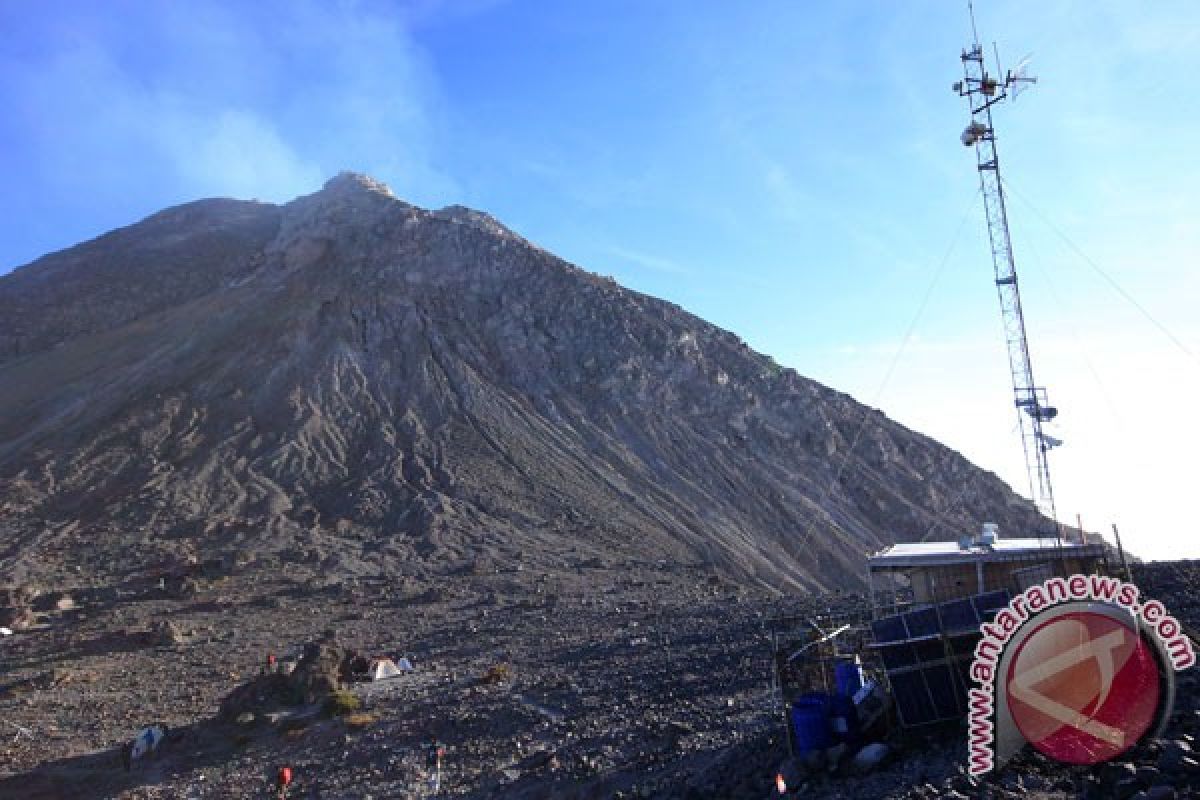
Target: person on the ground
x=147 y=742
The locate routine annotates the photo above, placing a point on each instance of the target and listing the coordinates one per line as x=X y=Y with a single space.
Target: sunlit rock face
x=353 y=379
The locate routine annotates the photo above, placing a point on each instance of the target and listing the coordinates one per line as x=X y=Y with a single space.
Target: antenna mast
x=983 y=91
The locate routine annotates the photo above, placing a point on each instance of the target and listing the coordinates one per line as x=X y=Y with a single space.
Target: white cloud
x=236 y=153
x=214 y=99
x=650 y=262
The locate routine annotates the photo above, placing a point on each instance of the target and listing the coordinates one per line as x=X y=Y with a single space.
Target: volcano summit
x=350 y=382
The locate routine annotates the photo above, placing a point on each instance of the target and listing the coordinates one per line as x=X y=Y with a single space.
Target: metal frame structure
x=983 y=91
x=804 y=651
x=926 y=640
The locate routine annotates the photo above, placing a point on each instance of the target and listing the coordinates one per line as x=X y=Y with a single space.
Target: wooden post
x=1121 y=553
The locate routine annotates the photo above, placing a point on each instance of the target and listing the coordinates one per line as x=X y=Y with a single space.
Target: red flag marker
x=283 y=780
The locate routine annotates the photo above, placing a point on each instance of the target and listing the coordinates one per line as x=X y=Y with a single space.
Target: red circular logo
x=1083 y=687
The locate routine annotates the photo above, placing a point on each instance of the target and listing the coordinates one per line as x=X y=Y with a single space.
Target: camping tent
x=384 y=668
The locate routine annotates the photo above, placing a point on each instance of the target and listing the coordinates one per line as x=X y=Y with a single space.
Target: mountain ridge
x=353 y=383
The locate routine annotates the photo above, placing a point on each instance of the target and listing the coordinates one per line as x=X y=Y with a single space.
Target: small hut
x=930 y=599
x=935 y=572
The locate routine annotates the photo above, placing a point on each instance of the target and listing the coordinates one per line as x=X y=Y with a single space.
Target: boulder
x=164 y=633
x=318 y=673
x=16 y=596
x=17 y=618
x=259 y=696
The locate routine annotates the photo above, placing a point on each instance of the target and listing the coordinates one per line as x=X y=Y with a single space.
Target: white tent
x=384 y=668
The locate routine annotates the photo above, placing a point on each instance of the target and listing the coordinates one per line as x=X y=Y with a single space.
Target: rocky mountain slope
x=366 y=387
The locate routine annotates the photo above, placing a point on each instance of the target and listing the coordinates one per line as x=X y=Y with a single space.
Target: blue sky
x=790 y=171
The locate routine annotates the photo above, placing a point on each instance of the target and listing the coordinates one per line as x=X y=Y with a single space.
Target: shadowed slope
x=371 y=386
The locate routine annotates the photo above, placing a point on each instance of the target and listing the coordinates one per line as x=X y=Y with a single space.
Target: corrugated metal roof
x=913 y=554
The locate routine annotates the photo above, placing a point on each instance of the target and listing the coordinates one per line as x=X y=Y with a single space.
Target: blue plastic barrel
x=810 y=722
x=848 y=677
x=843 y=720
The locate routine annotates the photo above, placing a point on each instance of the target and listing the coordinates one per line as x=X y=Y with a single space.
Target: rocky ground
x=635 y=682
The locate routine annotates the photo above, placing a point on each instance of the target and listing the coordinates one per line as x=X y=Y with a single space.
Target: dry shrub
x=360 y=720
x=497 y=673
x=292 y=734
x=341 y=702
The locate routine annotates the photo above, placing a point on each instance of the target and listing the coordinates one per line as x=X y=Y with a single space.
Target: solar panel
x=927 y=652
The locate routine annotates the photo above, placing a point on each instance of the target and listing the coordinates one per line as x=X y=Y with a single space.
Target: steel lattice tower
x=983 y=91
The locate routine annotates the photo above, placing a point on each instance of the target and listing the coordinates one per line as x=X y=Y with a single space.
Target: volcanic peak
x=346 y=182
x=348 y=373
x=349 y=187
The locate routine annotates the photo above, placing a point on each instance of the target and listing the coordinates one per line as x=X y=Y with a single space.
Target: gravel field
x=599 y=683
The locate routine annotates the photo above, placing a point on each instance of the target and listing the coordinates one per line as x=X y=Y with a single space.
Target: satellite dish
x=1044 y=413
x=1050 y=442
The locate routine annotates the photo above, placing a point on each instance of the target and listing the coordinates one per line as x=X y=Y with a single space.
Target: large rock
x=18 y=618
x=319 y=672
x=262 y=694
x=165 y=633
x=16 y=596
x=16 y=607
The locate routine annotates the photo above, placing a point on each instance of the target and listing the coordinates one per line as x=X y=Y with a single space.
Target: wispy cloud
x=216 y=100
x=785 y=193
x=235 y=152
x=914 y=345
x=651 y=262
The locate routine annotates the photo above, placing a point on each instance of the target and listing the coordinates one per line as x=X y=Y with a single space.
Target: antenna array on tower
x=983 y=90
